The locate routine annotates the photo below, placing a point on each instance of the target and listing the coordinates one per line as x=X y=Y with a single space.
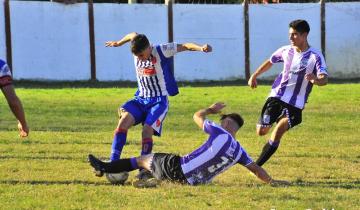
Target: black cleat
x=144 y=175
x=97 y=165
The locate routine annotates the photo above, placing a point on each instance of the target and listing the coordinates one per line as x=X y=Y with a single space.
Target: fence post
x=92 y=39
x=323 y=24
x=169 y=4
x=8 y=34
x=246 y=39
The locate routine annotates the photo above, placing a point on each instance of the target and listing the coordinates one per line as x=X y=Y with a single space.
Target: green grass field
x=48 y=170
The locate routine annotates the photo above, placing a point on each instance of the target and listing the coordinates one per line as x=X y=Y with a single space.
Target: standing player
x=216 y=155
x=153 y=64
x=14 y=102
x=304 y=67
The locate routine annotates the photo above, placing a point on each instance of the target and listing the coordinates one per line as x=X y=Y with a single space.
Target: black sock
x=117 y=166
x=268 y=150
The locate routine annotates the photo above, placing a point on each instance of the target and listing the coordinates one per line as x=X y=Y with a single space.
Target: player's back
x=217 y=154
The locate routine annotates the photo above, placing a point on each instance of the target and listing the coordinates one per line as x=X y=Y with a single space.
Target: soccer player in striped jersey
x=304 y=67
x=155 y=78
x=216 y=155
x=14 y=102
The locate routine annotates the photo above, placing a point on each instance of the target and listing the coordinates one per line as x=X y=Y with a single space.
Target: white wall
x=112 y=22
x=50 y=41
x=269 y=29
x=2 y=32
x=343 y=39
x=219 y=25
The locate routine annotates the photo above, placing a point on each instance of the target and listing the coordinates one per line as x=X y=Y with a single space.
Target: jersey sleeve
x=169 y=49
x=5 y=74
x=245 y=159
x=277 y=56
x=320 y=65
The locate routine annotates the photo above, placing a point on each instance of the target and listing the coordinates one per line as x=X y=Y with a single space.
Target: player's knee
x=262 y=131
x=126 y=120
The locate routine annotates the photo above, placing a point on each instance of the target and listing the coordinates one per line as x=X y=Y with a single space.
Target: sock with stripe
x=147 y=144
x=118 y=143
x=268 y=150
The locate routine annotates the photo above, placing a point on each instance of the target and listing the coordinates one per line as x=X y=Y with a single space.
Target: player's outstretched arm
x=264 y=176
x=263 y=68
x=194 y=47
x=17 y=109
x=125 y=39
x=200 y=116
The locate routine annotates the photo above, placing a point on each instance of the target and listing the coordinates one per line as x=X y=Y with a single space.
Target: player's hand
x=111 y=44
x=216 y=107
x=310 y=77
x=206 y=48
x=278 y=183
x=252 y=82
x=23 y=130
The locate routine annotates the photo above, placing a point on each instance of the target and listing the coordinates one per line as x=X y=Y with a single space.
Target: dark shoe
x=144 y=175
x=97 y=165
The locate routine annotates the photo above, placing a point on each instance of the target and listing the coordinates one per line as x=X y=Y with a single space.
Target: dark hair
x=139 y=43
x=300 y=26
x=234 y=116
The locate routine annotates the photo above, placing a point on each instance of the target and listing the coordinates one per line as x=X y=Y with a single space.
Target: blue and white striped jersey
x=155 y=76
x=216 y=155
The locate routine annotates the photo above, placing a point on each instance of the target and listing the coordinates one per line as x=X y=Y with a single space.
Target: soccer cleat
x=148 y=183
x=97 y=165
x=144 y=175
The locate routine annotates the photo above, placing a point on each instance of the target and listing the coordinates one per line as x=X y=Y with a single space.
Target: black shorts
x=167 y=167
x=274 y=109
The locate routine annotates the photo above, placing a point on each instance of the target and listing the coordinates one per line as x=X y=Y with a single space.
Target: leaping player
x=156 y=81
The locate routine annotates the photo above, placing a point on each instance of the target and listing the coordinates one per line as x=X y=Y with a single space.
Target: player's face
x=297 y=39
x=145 y=54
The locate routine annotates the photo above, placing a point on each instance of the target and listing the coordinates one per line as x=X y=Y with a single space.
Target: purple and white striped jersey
x=154 y=76
x=216 y=155
x=291 y=86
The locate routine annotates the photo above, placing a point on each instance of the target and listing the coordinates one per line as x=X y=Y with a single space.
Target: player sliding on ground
x=217 y=154
x=304 y=67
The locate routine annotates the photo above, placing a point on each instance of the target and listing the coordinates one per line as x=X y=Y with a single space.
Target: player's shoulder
x=214 y=127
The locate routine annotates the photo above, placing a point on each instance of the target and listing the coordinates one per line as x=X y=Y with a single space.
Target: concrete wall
x=50 y=41
x=343 y=39
x=2 y=32
x=224 y=32
x=112 y=22
x=269 y=30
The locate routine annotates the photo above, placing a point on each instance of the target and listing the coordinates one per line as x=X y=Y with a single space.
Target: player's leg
x=290 y=117
x=129 y=114
x=152 y=126
x=271 y=146
x=271 y=112
x=120 y=165
x=153 y=123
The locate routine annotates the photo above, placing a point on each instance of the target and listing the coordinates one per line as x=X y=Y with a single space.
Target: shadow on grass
x=44 y=182
x=328 y=184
